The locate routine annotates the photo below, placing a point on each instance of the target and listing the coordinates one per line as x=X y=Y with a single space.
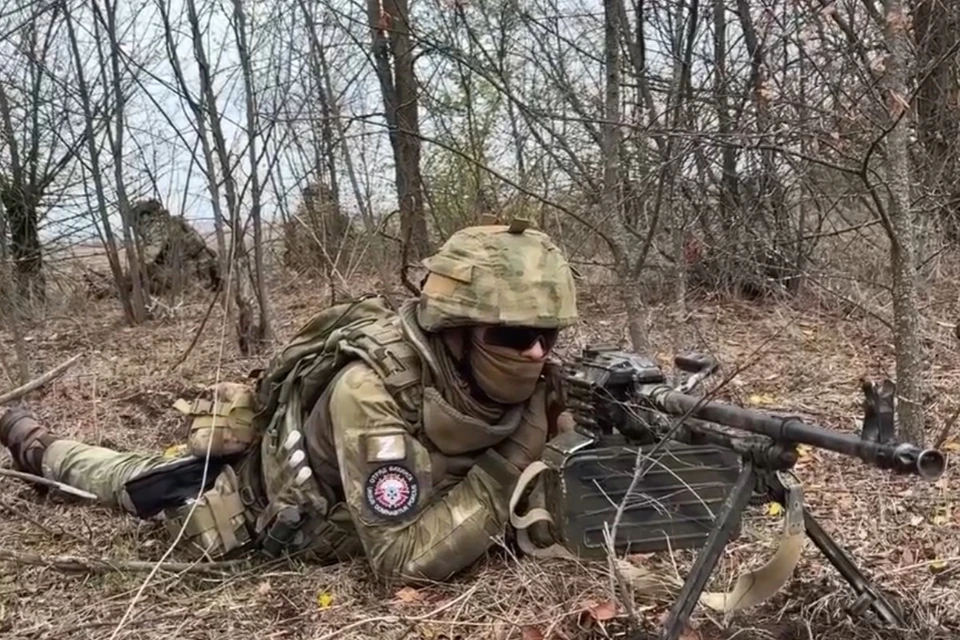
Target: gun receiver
x=627 y=413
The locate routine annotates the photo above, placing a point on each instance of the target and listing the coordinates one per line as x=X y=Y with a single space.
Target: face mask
x=502 y=373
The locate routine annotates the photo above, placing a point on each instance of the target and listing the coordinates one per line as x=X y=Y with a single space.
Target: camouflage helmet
x=497 y=275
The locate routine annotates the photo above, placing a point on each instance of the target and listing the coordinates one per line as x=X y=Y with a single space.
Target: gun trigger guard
x=793 y=523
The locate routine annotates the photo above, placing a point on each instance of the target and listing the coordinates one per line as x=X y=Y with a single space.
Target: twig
x=395 y=619
x=36 y=383
x=199 y=331
x=29 y=477
x=947 y=426
x=102 y=565
x=28 y=518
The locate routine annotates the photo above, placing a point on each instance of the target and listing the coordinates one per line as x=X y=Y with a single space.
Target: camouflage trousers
x=210 y=527
x=101 y=471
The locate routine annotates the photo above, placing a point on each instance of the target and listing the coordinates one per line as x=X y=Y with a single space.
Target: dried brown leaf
x=530 y=632
x=601 y=611
x=408 y=595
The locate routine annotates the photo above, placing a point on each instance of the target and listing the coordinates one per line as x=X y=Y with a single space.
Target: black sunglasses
x=520 y=338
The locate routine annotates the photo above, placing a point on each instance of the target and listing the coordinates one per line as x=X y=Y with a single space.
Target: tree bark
x=263 y=332
x=25 y=248
x=398 y=84
x=936 y=29
x=909 y=356
x=134 y=262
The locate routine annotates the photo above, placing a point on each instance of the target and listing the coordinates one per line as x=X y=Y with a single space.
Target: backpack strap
x=382 y=346
x=291 y=487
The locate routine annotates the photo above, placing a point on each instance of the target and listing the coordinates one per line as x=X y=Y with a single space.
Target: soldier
x=172 y=247
x=406 y=452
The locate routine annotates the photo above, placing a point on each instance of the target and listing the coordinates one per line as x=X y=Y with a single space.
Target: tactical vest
x=302 y=513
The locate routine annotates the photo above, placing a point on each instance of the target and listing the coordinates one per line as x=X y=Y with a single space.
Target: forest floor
x=802 y=358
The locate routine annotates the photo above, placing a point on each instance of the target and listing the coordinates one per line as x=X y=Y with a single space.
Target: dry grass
x=804 y=358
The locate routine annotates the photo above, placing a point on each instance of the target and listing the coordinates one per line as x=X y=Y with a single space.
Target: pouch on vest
x=215 y=525
x=223 y=428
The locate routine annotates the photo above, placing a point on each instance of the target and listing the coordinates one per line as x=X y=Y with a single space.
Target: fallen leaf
x=264 y=588
x=601 y=611
x=936 y=566
x=942 y=517
x=951 y=446
x=774 y=509
x=644 y=580
x=529 y=632
x=324 y=599
x=907 y=558
x=803 y=451
x=915 y=520
x=408 y=595
x=761 y=399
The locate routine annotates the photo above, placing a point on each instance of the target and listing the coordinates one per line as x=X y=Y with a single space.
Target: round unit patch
x=392 y=490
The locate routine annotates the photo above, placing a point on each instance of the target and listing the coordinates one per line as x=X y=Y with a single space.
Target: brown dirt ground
x=804 y=358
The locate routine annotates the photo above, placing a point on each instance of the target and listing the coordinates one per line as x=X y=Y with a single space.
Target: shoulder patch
x=386 y=447
x=391 y=490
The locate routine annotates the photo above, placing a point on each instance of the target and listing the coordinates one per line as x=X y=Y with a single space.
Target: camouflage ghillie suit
x=400 y=438
x=171 y=249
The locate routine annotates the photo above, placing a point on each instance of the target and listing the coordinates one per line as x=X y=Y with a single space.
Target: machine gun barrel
x=899 y=457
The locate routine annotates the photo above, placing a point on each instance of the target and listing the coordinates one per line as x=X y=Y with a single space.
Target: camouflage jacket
x=418 y=512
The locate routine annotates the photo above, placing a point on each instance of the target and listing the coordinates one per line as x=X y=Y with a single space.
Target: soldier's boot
x=26 y=439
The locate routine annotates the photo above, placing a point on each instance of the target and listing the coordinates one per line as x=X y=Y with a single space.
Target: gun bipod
x=868 y=595
x=753 y=478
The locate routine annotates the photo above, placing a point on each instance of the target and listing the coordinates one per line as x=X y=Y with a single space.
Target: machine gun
x=677 y=470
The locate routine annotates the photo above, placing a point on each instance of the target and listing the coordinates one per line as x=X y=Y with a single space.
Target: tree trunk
x=937 y=28
x=96 y=174
x=25 y=247
x=901 y=225
x=729 y=196
x=399 y=88
x=263 y=332
x=610 y=197
x=134 y=262
x=10 y=310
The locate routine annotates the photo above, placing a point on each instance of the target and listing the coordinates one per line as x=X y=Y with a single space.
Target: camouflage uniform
x=171 y=248
x=397 y=462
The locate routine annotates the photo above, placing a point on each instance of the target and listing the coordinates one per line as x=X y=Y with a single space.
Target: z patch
x=392 y=490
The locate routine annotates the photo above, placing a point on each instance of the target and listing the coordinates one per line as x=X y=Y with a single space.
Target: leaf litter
x=903 y=534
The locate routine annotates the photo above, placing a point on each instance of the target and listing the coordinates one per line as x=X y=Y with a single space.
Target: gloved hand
x=526 y=444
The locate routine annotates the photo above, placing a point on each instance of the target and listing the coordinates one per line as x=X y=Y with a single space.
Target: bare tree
x=936 y=28
x=253 y=132
x=393 y=50
x=137 y=302
x=900 y=223
x=37 y=148
x=134 y=312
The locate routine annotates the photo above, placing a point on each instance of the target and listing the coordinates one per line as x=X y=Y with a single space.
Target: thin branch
x=72 y=564
x=38 y=382
x=29 y=477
